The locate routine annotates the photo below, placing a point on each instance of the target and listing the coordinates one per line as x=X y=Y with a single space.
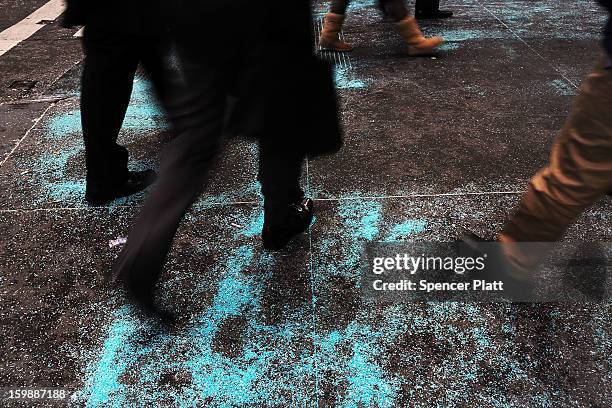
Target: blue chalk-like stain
x=447 y=349
x=449 y=46
x=361 y=218
x=264 y=374
x=63 y=133
x=356 y=5
x=267 y=371
x=461 y=35
x=345 y=79
x=406 y=229
x=562 y=87
x=102 y=386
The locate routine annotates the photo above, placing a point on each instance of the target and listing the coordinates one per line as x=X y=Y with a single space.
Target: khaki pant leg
x=580 y=168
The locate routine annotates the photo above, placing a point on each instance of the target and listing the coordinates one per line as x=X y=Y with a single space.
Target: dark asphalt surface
x=432 y=145
x=14 y=11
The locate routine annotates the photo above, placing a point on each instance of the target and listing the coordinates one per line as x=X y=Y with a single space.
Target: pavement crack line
x=36 y=122
x=313 y=297
x=550 y=64
x=50 y=98
x=257 y=203
x=432 y=195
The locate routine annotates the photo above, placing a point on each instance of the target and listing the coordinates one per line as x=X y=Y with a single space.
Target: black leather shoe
x=431 y=14
x=136 y=182
x=298 y=220
x=141 y=296
x=517 y=284
x=139 y=292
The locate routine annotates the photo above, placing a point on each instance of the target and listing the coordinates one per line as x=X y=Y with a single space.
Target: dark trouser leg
x=339 y=6
x=108 y=74
x=430 y=9
x=395 y=10
x=279 y=173
x=196 y=108
x=182 y=179
x=194 y=96
x=426 y=5
x=154 y=60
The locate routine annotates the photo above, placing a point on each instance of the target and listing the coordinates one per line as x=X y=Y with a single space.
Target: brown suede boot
x=330 y=34
x=409 y=30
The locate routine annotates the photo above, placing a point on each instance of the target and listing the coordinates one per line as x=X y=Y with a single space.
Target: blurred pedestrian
x=286 y=100
x=118 y=36
x=579 y=170
x=430 y=9
x=395 y=10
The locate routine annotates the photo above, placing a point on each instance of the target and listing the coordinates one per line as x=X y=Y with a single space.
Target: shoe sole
x=414 y=51
x=283 y=245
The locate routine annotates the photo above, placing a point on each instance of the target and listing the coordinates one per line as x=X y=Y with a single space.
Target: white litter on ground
x=116 y=242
